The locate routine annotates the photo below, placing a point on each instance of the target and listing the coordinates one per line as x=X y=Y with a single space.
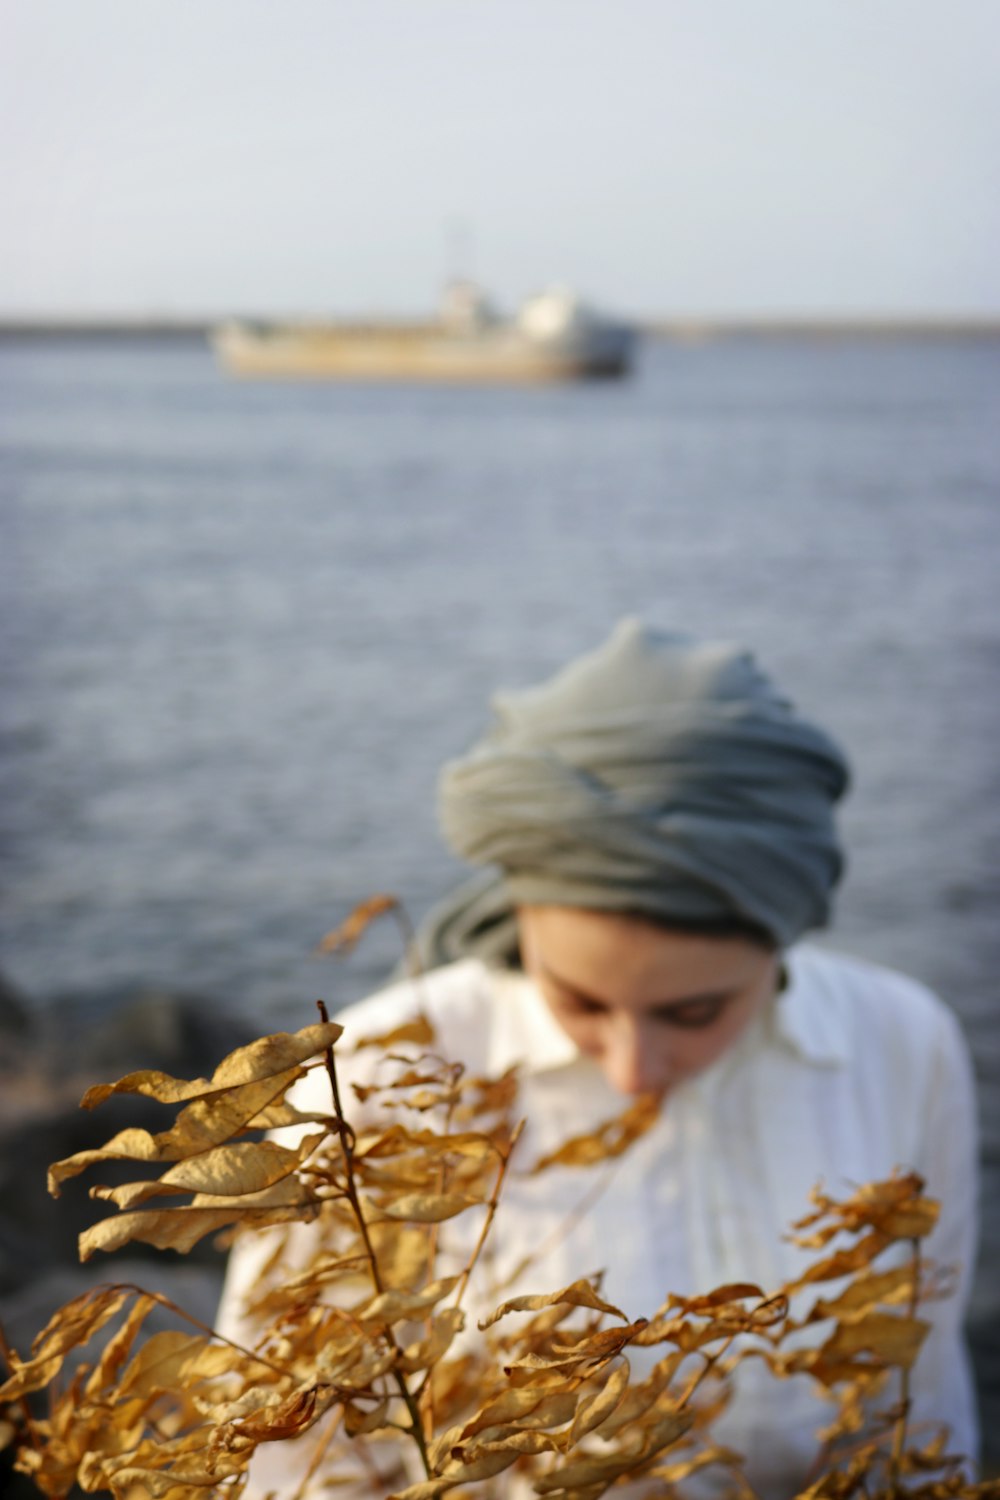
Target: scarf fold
x=658 y=775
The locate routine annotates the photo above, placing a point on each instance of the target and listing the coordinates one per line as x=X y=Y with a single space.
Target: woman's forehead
x=612 y=953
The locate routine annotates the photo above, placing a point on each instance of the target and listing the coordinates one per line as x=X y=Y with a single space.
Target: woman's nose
x=632 y=1062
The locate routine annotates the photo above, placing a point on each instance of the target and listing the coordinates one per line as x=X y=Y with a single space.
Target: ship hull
x=422 y=353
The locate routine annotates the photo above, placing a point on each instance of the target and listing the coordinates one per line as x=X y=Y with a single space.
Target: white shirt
x=855 y=1070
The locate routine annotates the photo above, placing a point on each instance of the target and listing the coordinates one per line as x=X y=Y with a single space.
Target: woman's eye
x=586 y=1007
x=698 y=1013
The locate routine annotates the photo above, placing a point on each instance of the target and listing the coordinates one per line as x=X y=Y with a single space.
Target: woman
x=658 y=826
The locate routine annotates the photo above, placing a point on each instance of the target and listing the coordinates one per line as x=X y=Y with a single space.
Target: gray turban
x=658 y=775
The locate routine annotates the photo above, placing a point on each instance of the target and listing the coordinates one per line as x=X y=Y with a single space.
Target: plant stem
x=259 y=1359
x=425 y=1390
x=491 y=1209
x=321 y=1450
x=410 y=953
x=711 y=1360
x=350 y=1185
x=899 y=1436
x=490 y=1213
x=354 y=1198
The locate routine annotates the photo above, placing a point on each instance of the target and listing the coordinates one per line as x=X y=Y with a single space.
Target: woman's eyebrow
x=570 y=987
x=688 y=1002
x=667 y=1008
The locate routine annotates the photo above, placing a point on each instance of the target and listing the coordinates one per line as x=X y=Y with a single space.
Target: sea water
x=243 y=625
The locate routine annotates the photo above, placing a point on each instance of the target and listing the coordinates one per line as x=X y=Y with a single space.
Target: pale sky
x=663 y=157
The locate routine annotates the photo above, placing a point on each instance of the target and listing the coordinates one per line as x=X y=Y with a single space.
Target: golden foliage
x=343 y=938
x=370 y=1338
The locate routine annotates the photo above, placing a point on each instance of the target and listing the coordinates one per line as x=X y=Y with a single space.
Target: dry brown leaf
x=237 y=1170
x=343 y=938
x=404 y=1254
x=487 y=1097
x=166 y=1470
x=865 y=1292
x=553 y=1410
x=602 y=1405
x=578 y=1294
x=426 y=1146
x=891 y=1337
x=644 y=1396
x=608 y=1140
x=358 y=1369
x=896 y=1206
x=535 y=1334
x=736 y=1291
x=265 y=1058
x=603 y=1468
x=843 y=1262
x=178 y=1228
x=206 y=1122
x=595 y=1348
x=358 y=1422
x=419 y=1031
x=693 y=1463
x=444 y=1328
x=288 y=1418
x=424 y=1100
x=428 y=1208
x=172 y=1359
x=458 y=1474
x=517 y=1407
x=73 y=1325
x=119 y=1347
x=393 y=1307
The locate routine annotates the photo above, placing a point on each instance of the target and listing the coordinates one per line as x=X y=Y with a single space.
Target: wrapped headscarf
x=660 y=776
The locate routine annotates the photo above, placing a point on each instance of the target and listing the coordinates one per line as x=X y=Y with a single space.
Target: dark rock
x=39 y=1232
x=15 y=1017
x=105 y=1037
x=41 y=1122
x=195 y=1289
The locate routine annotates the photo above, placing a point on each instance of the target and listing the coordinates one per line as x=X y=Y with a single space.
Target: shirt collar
x=523 y=1030
x=805 y=1020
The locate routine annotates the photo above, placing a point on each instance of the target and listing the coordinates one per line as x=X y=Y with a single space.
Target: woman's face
x=651 y=1006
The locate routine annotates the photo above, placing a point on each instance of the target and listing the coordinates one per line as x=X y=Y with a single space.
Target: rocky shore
x=48 y=1058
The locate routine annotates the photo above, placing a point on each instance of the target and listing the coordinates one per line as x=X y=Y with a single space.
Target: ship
x=554 y=336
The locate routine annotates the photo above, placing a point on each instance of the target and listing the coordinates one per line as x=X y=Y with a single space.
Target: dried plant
x=365 y=1352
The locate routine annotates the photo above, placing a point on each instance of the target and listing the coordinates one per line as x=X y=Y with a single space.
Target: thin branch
x=425 y=1390
x=711 y=1360
x=320 y=1453
x=411 y=952
x=490 y=1212
x=354 y=1198
x=131 y=1286
x=350 y=1183
x=905 y=1399
x=562 y=1230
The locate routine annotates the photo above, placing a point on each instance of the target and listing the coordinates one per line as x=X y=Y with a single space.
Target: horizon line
x=686 y=326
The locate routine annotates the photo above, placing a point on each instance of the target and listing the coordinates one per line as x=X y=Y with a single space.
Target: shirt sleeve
x=943 y=1389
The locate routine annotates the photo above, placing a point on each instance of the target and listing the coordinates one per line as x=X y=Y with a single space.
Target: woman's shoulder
x=844 y=1005
x=457 y=999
